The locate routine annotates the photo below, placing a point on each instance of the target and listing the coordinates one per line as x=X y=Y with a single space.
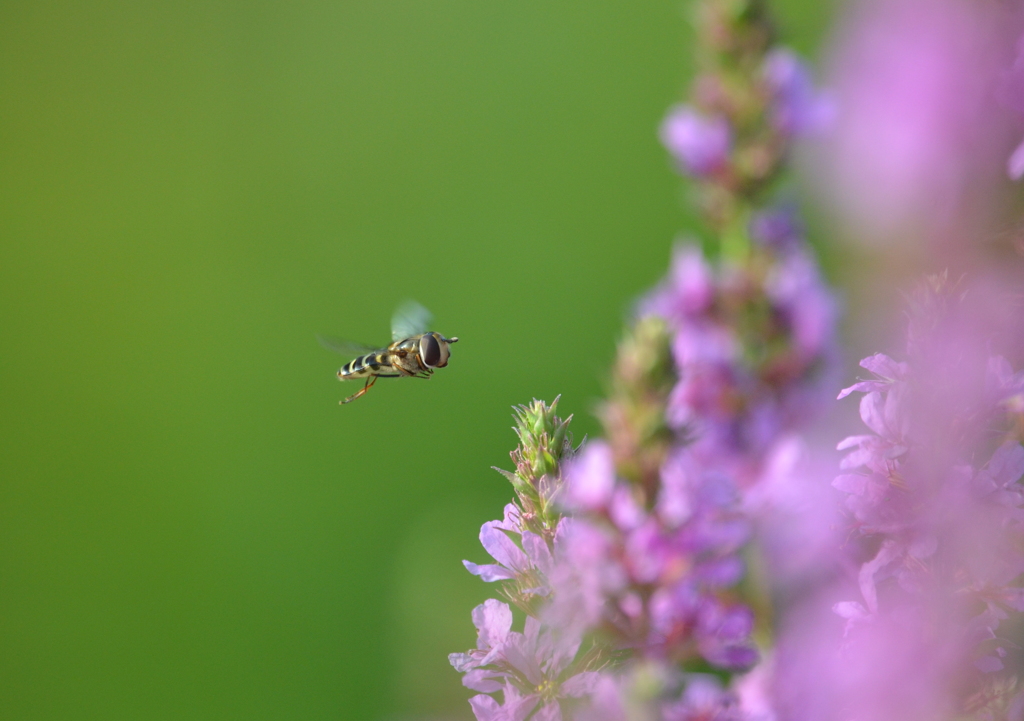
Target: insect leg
x=369 y=382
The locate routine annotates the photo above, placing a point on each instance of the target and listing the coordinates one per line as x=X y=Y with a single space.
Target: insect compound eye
x=445 y=352
x=430 y=351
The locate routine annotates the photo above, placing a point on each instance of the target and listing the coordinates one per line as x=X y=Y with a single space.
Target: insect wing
x=345 y=347
x=409 y=319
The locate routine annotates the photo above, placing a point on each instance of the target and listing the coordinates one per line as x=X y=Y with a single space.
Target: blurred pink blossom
x=935 y=512
x=918 y=124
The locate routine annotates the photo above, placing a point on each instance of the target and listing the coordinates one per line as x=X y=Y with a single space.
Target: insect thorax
x=405 y=354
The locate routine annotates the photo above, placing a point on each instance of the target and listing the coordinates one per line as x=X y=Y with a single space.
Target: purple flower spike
x=799 y=109
x=738 y=394
x=638 y=544
x=699 y=145
x=688 y=291
x=724 y=636
x=777 y=228
x=795 y=287
x=935 y=490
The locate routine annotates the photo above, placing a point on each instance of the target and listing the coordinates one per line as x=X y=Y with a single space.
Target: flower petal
x=854 y=483
x=502 y=548
x=581 y=684
x=485 y=708
x=885 y=367
x=872 y=412
x=537 y=552
x=482 y=679
x=549 y=712
x=489 y=572
x=493 y=620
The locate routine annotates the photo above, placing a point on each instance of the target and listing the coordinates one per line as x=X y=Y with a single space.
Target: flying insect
x=414 y=352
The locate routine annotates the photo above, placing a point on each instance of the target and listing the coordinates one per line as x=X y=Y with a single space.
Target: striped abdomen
x=371 y=364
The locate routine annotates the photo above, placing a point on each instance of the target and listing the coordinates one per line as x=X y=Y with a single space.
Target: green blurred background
x=190 y=525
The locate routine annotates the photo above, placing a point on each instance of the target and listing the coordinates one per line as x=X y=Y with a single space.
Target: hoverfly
x=415 y=352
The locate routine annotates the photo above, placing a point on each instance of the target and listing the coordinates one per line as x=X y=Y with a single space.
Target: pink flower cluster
x=754 y=344
x=935 y=510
